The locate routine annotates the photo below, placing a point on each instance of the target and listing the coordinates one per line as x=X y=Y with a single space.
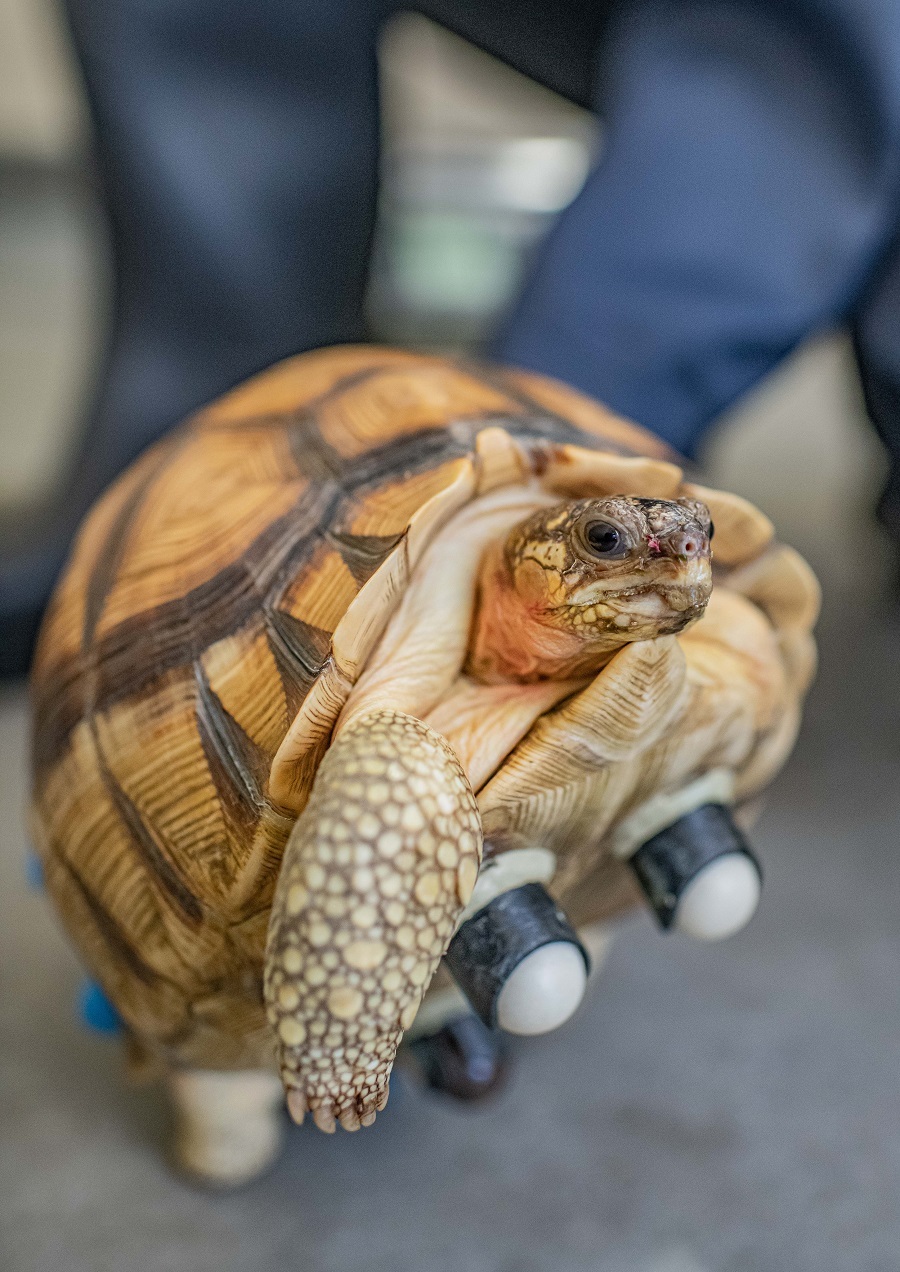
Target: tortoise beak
x=684 y=599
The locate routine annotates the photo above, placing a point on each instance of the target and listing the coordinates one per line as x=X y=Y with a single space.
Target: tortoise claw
x=326 y=1116
x=349 y=1119
x=323 y=1117
x=297 y=1105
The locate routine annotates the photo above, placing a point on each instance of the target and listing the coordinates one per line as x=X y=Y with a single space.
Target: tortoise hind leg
x=229 y=1125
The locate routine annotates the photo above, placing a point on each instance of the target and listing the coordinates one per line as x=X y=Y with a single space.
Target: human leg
x=739 y=204
x=237 y=151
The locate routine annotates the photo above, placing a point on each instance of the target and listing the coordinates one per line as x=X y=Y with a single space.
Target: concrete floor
x=725 y=1109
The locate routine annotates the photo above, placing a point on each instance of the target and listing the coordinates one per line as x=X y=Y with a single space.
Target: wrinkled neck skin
x=512 y=639
x=547 y=608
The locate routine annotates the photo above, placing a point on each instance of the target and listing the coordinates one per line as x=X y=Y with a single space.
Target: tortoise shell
x=219 y=602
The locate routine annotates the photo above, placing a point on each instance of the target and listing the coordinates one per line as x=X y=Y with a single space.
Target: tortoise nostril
x=685 y=543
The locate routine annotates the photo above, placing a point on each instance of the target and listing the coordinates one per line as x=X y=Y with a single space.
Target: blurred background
x=711 y=1108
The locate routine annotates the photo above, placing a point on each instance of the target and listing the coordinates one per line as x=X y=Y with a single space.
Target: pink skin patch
x=653 y=545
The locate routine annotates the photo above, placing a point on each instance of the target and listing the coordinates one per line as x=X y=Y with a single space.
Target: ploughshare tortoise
x=384 y=662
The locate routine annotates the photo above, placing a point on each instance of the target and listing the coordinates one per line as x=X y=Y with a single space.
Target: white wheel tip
x=720 y=899
x=544 y=990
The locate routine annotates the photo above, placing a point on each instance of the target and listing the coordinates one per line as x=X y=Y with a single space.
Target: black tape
x=490 y=946
x=667 y=863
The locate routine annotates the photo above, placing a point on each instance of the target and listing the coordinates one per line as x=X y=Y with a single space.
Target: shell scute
x=298 y=383
x=395 y=405
x=242 y=672
x=215 y=503
x=321 y=590
x=386 y=507
x=575 y=408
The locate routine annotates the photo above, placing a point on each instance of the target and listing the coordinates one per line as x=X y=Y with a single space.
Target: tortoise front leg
x=375 y=874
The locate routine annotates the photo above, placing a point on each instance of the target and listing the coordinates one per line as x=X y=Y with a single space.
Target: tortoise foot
x=463 y=1059
x=229 y=1126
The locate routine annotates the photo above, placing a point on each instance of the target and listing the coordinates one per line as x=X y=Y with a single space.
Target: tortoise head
x=574 y=582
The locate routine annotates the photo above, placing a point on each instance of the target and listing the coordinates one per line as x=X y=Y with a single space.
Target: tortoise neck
x=511 y=638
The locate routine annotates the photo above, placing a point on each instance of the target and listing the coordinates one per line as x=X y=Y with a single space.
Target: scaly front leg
x=375 y=874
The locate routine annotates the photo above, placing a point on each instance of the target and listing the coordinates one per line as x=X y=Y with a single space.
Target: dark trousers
x=748 y=194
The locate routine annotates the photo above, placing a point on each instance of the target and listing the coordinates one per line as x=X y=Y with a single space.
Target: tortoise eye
x=711 y=531
x=604 y=539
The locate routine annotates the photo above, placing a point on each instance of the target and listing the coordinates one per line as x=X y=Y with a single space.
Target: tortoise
x=381 y=658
